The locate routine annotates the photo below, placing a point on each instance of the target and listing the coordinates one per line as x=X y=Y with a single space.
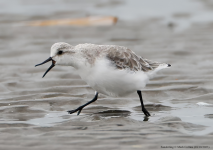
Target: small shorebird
x=108 y=69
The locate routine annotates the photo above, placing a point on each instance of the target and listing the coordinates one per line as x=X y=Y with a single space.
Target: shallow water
x=33 y=109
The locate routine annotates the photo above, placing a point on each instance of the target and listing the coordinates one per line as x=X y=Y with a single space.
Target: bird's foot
x=75 y=110
x=146 y=118
x=146 y=112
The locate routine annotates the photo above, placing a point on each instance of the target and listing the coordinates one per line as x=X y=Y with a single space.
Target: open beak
x=53 y=64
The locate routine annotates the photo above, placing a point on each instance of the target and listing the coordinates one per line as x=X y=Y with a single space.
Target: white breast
x=106 y=79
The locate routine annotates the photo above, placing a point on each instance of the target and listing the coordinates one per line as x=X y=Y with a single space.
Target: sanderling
x=108 y=69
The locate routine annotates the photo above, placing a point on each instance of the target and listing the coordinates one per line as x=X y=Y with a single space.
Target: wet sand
x=33 y=109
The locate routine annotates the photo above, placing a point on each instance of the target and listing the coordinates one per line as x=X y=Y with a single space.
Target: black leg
x=81 y=107
x=142 y=105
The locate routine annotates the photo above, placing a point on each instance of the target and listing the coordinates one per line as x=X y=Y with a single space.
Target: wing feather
x=124 y=58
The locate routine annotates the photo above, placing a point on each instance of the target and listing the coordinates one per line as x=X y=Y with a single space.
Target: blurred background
x=33 y=109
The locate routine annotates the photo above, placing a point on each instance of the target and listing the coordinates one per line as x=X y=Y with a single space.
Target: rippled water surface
x=33 y=109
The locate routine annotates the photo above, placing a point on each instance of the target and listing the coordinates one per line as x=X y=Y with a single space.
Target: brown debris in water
x=88 y=21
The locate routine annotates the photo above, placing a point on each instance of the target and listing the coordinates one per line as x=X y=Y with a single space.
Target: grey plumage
x=124 y=58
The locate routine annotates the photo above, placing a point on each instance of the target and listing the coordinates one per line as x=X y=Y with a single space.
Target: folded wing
x=124 y=58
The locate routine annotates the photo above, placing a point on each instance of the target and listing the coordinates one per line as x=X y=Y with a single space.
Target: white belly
x=107 y=80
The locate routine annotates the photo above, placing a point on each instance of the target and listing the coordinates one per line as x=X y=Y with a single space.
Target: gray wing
x=124 y=58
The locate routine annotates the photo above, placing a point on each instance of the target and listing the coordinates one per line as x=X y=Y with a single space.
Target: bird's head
x=60 y=54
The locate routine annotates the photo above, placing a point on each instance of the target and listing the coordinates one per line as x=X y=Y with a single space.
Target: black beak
x=53 y=64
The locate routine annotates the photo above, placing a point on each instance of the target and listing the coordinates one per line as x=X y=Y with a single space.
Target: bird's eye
x=60 y=52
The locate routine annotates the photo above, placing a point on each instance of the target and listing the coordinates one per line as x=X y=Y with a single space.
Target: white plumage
x=108 y=69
